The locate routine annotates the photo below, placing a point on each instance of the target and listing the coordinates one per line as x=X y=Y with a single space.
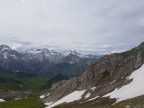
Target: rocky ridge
x=108 y=73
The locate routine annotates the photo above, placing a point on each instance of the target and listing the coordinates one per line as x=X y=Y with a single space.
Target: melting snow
x=131 y=90
x=2 y=100
x=76 y=95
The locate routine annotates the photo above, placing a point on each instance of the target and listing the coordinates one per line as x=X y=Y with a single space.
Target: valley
x=71 y=54
x=110 y=81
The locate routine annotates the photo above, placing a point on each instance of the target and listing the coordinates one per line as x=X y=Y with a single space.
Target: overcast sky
x=98 y=26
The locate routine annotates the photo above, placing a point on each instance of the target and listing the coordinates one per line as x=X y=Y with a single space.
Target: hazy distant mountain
x=44 y=61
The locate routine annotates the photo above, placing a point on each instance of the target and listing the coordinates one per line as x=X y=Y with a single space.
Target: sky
x=90 y=26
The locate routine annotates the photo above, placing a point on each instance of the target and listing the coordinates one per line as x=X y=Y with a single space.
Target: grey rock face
x=108 y=73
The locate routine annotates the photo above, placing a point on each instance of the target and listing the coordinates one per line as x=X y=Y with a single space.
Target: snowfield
x=76 y=95
x=131 y=90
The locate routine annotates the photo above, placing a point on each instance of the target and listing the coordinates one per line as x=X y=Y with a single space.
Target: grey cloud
x=72 y=24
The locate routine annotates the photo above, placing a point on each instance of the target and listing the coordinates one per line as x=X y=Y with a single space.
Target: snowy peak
x=34 y=51
x=7 y=52
x=42 y=55
x=39 y=51
x=45 y=50
x=74 y=52
x=69 y=52
x=49 y=53
x=4 y=48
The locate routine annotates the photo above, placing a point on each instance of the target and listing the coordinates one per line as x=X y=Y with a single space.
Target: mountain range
x=73 y=80
x=44 y=62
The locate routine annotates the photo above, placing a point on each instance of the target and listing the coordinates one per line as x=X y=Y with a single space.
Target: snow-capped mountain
x=64 y=53
x=35 y=51
x=74 y=52
x=39 y=60
x=4 y=48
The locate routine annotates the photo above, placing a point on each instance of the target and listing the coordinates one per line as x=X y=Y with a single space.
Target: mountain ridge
x=43 y=61
x=108 y=73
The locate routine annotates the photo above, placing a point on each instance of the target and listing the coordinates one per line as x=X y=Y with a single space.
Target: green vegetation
x=31 y=102
x=52 y=80
x=105 y=75
x=127 y=54
x=132 y=103
x=26 y=81
x=142 y=54
x=21 y=81
x=35 y=83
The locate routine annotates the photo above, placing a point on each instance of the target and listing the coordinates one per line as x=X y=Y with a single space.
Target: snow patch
x=14 y=56
x=93 y=98
x=76 y=95
x=2 y=100
x=48 y=94
x=5 y=56
x=5 y=48
x=42 y=96
x=34 y=51
x=87 y=95
x=18 y=98
x=49 y=103
x=112 y=82
x=93 y=88
x=131 y=90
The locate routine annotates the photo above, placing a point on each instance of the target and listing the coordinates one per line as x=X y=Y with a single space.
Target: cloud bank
x=98 y=26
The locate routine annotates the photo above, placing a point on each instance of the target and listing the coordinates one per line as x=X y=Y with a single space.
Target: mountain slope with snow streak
x=76 y=95
x=131 y=90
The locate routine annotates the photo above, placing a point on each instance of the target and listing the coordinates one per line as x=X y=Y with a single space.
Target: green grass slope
x=31 y=102
x=21 y=81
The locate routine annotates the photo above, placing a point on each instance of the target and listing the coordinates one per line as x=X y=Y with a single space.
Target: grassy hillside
x=26 y=81
x=20 y=81
x=35 y=83
x=31 y=102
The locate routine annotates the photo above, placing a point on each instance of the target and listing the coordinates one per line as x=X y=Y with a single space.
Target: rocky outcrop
x=108 y=73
